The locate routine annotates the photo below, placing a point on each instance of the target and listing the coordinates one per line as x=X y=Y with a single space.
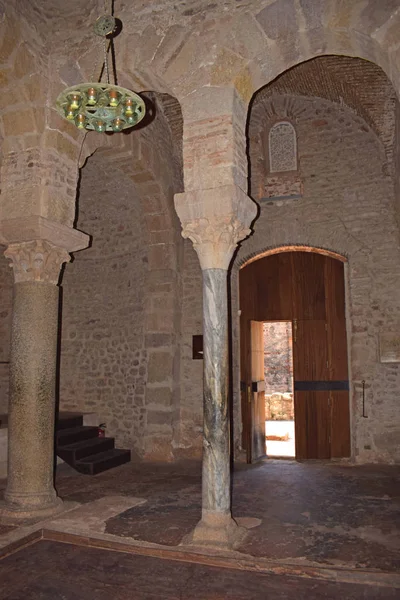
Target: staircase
x=81 y=447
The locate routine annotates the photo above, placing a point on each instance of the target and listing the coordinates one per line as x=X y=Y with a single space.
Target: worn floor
x=342 y=518
x=91 y=573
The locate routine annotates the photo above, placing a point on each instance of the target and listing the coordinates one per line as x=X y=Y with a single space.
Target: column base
x=216 y=530
x=19 y=515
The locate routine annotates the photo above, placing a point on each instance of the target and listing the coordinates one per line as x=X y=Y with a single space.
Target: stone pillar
x=30 y=491
x=227 y=213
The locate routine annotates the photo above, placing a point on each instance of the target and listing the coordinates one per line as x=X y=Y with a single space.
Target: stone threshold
x=209 y=557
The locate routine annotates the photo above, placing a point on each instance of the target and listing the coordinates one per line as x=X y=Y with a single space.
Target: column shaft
x=32 y=397
x=216 y=495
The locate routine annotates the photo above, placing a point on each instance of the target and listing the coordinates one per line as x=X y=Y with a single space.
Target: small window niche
x=197 y=347
x=283 y=182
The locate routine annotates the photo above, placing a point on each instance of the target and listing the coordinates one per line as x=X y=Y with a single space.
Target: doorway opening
x=305 y=289
x=279 y=399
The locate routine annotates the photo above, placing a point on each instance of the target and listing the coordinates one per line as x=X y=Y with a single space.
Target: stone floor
x=332 y=522
x=55 y=571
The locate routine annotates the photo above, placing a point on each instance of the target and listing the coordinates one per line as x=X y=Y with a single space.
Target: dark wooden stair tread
x=76 y=434
x=82 y=448
x=102 y=461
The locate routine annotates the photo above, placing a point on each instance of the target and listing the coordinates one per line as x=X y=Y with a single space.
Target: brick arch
x=353 y=82
x=273 y=107
x=244 y=261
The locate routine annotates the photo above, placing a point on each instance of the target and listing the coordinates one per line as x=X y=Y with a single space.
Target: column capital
x=36 y=260
x=215 y=220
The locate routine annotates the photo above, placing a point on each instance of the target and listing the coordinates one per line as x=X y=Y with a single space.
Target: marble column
x=226 y=215
x=30 y=489
x=216 y=463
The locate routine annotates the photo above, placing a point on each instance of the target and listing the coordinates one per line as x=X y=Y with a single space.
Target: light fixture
x=102 y=106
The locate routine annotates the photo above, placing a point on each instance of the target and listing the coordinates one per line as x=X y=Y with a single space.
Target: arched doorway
x=306 y=289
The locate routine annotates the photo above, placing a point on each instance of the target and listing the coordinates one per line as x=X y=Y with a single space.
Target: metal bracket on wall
x=363 y=400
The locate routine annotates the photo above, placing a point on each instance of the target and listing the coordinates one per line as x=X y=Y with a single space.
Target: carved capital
x=215 y=220
x=215 y=241
x=36 y=260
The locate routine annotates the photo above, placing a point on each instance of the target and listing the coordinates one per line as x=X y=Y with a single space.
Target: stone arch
x=282 y=34
x=150 y=158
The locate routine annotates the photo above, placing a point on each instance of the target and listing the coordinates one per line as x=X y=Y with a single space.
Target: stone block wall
x=6 y=292
x=397 y=163
x=126 y=204
x=103 y=356
x=191 y=415
x=348 y=207
x=279 y=407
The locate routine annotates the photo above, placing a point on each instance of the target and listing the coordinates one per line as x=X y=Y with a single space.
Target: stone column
x=227 y=213
x=30 y=490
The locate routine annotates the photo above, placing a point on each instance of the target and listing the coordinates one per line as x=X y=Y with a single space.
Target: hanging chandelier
x=102 y=106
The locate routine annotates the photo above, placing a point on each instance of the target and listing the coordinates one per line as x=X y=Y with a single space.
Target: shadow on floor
x=323 y=513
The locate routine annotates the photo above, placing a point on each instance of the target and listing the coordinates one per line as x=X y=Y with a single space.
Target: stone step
x=92 y=465
x=66 y=437
x=73 y=452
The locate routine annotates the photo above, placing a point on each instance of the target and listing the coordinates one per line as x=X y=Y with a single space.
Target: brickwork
x=357 y=84
x=6 y=284
x=347 y=207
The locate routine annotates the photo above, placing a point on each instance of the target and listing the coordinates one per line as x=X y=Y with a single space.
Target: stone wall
x=347 y=207
x=192 y=370
x=103 y=357
x=6 y=286
x=126 y=204
x=397 y=164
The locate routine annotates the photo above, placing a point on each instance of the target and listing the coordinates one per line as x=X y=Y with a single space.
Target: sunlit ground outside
x=282 y=442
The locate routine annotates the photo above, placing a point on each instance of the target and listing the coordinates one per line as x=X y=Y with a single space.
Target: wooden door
x=308 y=289
x=337 y=359
x=257 y=394
x=311 y=403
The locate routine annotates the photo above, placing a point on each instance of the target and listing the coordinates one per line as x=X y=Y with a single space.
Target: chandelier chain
x=106 y=61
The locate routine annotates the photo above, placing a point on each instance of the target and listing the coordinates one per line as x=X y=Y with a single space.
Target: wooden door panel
x=266 y=288
x=258 y=447
x=312 y=425
x=340 y=419
x=310 y=353
x=336 y=320
x=308 y=285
